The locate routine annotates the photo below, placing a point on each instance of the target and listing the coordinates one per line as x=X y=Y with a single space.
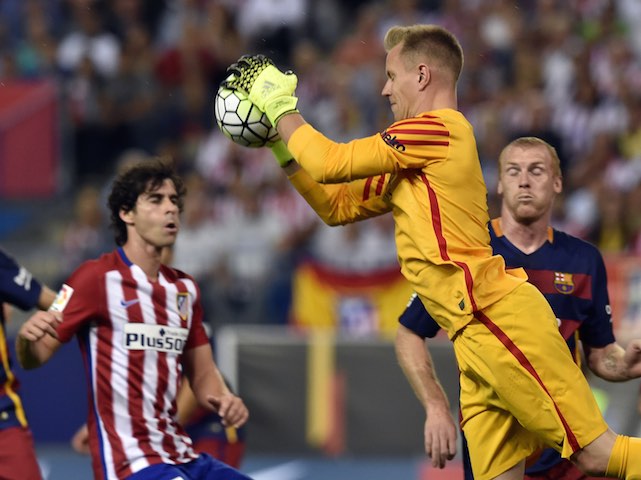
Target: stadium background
x=87 y=86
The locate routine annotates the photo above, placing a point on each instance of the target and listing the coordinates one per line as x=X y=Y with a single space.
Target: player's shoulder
x=428 y=121
x=174 y=274
x=95 y=267
x=575 y=245
x=6 y=260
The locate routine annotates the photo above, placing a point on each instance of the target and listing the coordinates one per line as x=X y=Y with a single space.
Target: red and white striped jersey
x=132 y=334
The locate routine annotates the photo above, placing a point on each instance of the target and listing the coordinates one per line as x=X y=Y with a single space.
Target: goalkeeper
x=525 y=392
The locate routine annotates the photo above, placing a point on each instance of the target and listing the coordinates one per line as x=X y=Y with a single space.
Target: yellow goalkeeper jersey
x=426 y=171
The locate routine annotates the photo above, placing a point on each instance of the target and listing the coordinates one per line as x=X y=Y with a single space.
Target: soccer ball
x=241 y=121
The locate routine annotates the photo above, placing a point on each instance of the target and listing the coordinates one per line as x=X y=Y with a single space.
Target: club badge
x=563 y=282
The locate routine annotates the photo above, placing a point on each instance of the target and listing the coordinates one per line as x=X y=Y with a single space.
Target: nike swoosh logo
x=129 y=303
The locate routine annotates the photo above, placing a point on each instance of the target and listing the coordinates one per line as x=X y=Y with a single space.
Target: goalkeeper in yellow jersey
x=525 y=391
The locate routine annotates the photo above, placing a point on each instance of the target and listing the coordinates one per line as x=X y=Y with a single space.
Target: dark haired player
x=139 y=326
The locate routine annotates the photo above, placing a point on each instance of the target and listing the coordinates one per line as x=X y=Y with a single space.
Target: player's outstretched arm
x=615 y=364
x=416 y=363
x=335 y=204
x=209 y=388
x=37 y=339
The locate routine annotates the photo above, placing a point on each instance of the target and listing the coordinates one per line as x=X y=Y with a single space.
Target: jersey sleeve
x=596 y=331
x=17 y=286
x=338 y=204
x=407 y=144
x=79 y=300
x=416 y=319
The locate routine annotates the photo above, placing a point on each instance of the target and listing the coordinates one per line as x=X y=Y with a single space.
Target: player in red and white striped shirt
x=139 y=326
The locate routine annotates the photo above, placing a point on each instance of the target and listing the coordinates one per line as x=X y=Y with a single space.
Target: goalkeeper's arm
x=284 y=158
x=288 y=124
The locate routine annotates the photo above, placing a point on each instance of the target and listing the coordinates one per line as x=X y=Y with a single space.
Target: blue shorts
x=204 y=467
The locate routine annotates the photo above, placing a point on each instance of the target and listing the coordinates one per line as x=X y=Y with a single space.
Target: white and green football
x=241 y=121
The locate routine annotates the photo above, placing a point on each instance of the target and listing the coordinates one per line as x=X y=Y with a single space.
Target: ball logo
x=161 y=338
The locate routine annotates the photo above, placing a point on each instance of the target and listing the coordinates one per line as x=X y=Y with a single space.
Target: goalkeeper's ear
x=281 y=154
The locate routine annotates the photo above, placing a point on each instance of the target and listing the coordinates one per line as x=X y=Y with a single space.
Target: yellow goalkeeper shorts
x=520 y=389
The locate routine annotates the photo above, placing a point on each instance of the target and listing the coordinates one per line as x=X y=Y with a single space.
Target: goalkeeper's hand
x=281 y=154
x=271 y=90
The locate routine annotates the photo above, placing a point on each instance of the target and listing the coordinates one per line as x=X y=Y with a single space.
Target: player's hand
x=632 y=358
x=281 y=153
x=80 y=440
x=242 y=74
x=231 y=409
x=40 y=324
x=440 y=437
x=271 y=90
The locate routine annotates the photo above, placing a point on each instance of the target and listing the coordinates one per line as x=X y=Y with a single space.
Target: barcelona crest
x=182 y=305
x=563 y=282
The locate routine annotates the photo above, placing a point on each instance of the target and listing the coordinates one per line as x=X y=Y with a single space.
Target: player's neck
x=527 y=237
x=147 y=257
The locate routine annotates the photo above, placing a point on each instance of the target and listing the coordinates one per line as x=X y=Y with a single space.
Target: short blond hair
x=431 y=41
x=531 y=142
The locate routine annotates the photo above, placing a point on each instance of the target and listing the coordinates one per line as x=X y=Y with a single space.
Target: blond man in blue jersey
x=520 y=389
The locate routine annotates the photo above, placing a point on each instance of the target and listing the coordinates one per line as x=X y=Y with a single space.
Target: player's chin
x=171 y=230
x=168 y=239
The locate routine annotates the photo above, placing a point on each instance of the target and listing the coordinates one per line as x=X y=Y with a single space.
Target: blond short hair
x=531 y=142
x=431 y=41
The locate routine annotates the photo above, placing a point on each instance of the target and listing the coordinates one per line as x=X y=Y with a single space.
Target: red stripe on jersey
x=581 y=284
x=441 y=143
x=442 y=243
x=159 y=300
x=380 y=184
x=135 y=376
x=525 y=363
x=469 y=282
x=104 y=399
x=436 y=219
x=419 y=121
x=568 y=327
x=420 y=131
x=366 y=189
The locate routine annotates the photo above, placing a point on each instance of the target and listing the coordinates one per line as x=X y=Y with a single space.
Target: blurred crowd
x=137 y=78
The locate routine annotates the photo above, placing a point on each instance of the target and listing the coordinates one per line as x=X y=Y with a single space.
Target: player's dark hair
x=431 y=41
x=139 y=178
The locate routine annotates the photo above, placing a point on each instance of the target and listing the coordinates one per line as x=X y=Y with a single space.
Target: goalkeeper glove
x=281 y=154
x=271 y=90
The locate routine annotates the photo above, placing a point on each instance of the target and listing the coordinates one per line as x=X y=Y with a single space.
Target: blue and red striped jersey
x=18 y=288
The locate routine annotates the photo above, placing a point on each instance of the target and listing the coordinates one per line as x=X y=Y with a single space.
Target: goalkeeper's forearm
x=288 y=124
x=284 y=158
